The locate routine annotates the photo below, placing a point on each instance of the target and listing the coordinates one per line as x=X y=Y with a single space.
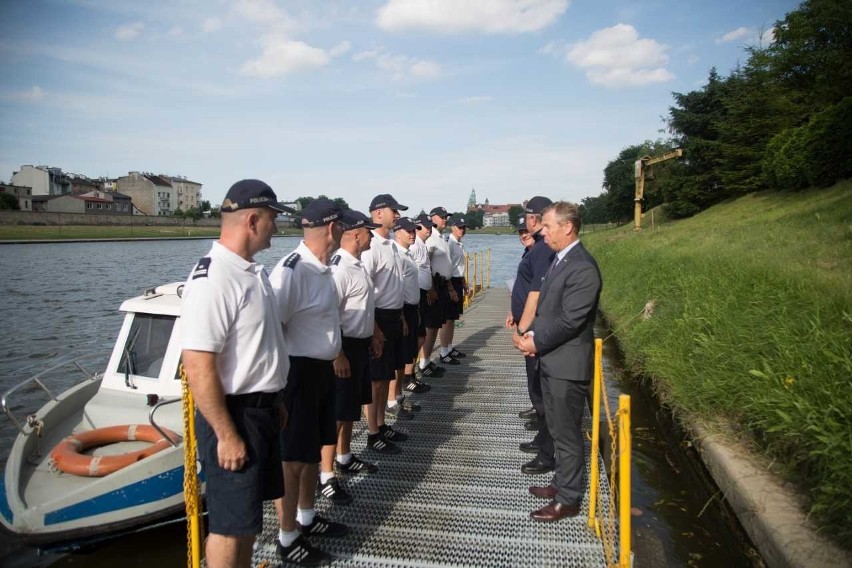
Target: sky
x=422 y=99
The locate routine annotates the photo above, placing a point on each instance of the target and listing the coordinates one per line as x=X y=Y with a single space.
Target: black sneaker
x=355 y=466
x=416 y=386
x=377 y=443
x=399 y=411
x=448 y=359
x=457 y=354
x=527 y=414
x=301 y=553
x=334 y=492
x=323 y=527
x=391 y=435
x=430 y=371
x=408 y=405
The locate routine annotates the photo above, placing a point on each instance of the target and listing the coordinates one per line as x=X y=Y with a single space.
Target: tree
x=9 y=201
x=205 y=205
x=619 y=182
x=178 y=212
x=340 y=202
x=515 y=212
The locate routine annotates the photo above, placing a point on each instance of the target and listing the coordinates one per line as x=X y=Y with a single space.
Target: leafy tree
x=515 y=211
x=340 y=202
x=9 y=201
x=178 y=212
x=594 y=210
x=205 y=205
x=619 y=181
x=193 y=213
x=474 y=219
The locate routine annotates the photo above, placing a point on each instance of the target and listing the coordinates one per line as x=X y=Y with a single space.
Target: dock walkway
x=455 y=496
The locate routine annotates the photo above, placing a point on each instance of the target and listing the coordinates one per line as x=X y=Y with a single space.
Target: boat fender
x=68 y=456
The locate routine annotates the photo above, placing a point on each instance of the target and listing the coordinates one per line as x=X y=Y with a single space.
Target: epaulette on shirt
x=335 y=260
x=290 y=261
x=201 y=268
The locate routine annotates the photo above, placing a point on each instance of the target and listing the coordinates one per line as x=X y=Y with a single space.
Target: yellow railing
x=618 y=555
x=477 y=274
x=191 y=490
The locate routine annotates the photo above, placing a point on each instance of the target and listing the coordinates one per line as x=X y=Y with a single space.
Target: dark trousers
x=564 y=402
x=542 y=438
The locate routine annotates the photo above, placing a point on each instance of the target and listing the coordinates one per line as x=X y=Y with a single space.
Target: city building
x=187 y=193
x=44 y=180
x=93 y=203
x=151 y=194
x=24 y=195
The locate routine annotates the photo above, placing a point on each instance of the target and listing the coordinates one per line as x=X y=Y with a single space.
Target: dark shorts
x=309 y=398
x=436 y=314
x=356 y=389
x=421 y=309
x=235 y=498
x=393 y=356
x=412 y=318
x=455 y=309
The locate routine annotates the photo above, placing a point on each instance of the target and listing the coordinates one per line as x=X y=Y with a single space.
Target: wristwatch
x=521 y=333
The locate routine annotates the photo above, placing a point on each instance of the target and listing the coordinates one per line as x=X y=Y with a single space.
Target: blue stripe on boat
x=5 y=509
x=148 y=490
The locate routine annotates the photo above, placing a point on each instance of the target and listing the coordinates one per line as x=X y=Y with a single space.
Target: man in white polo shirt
x=236 y=367
x=307 y=308
x=455 y=309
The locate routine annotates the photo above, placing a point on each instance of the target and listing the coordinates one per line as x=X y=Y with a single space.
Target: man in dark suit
x=562 y=335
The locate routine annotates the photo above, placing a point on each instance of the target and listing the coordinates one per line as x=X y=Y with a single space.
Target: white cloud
x=265 y=12
x=734 y=35
x=34 y=95
x=282 y=56
x=693 y=59
x=210 y=25
x=129 y=31
x=176 y=31
x=454 y=16
x=401 y=67
x=477 y=99
x=340 y=49
x=617 y=57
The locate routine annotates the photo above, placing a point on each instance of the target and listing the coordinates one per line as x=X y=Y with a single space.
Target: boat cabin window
x=146 y=345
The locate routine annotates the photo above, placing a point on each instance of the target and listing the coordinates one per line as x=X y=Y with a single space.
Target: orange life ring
x=68 y=455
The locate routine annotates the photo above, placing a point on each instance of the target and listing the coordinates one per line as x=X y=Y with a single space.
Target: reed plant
x=744 y=313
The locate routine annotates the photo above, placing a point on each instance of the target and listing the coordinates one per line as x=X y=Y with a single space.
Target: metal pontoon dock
x=456 y=496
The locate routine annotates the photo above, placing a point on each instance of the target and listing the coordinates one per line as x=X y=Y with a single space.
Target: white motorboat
x=62 y=486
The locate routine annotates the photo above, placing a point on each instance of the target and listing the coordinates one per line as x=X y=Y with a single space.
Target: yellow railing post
x=191 y=492
x=624 y=480
x=488 y=272
x=594 y=479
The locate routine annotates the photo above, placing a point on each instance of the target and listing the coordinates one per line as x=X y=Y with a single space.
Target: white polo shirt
x=439 y=254
x=384 y=265
x=307 y=305
x=410 y=286
x=228 y=308
x=420 y=254
x=456 y=256
x=356 y=301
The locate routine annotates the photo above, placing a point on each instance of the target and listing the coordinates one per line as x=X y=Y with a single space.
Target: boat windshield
x=146 y=345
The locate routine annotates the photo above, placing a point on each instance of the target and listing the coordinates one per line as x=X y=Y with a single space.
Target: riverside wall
x=59 y=219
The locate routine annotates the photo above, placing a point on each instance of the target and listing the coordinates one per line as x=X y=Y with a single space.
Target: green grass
x=752 y=323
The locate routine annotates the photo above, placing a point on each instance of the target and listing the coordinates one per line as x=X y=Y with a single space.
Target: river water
x=63 y=298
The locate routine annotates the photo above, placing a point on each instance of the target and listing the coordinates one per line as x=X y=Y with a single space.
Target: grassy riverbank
x=751 y=322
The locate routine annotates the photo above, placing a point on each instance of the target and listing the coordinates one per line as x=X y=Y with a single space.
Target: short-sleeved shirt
x=307 y=305
x=439 y=254
x=531 y=271
x=355 y=296
x=410 y=285
x=420 y=254
x=384 y=265
x=228 y=308
x=456 y=256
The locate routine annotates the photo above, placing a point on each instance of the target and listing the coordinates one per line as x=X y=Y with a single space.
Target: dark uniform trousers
x=564 y=402
x=543 y=438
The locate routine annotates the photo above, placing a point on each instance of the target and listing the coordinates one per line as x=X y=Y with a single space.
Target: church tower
x=471 y=203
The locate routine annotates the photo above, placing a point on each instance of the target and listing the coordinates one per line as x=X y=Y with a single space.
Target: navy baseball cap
x=386 y=200
x=425 y=221
x=319 y=212
x=351 y=220
x=522 y=223
x=404 y=224
x=460 y=222
x=251 y=194
x=440 y=212
x=537 y=204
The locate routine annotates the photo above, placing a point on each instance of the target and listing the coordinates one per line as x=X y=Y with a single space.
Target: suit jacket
x=565 y=317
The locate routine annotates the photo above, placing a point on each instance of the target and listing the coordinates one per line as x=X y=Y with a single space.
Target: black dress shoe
x=533 y=425
x=527 y=414
x=536 y=466
x=555 y=511
x=547 y=492
x=528 y=447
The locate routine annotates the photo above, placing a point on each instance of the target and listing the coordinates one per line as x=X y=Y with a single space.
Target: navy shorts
x=436 y=314
x=235 y=498
x=355 y=390
x=455 y=309
x=412 y=319
x=309 y=398
x=421 y=324
x=393 y=355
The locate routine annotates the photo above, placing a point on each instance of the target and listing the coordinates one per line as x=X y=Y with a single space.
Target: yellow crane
x=643 y=172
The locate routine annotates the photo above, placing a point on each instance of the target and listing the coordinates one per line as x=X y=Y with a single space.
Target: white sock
x=423 y=364
x=444 y=351
x=450 y=348
x=287 y=538
x=344 y=458
x=325 y=476
x=391 y=403
x=305 y=516
x=399 y=399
